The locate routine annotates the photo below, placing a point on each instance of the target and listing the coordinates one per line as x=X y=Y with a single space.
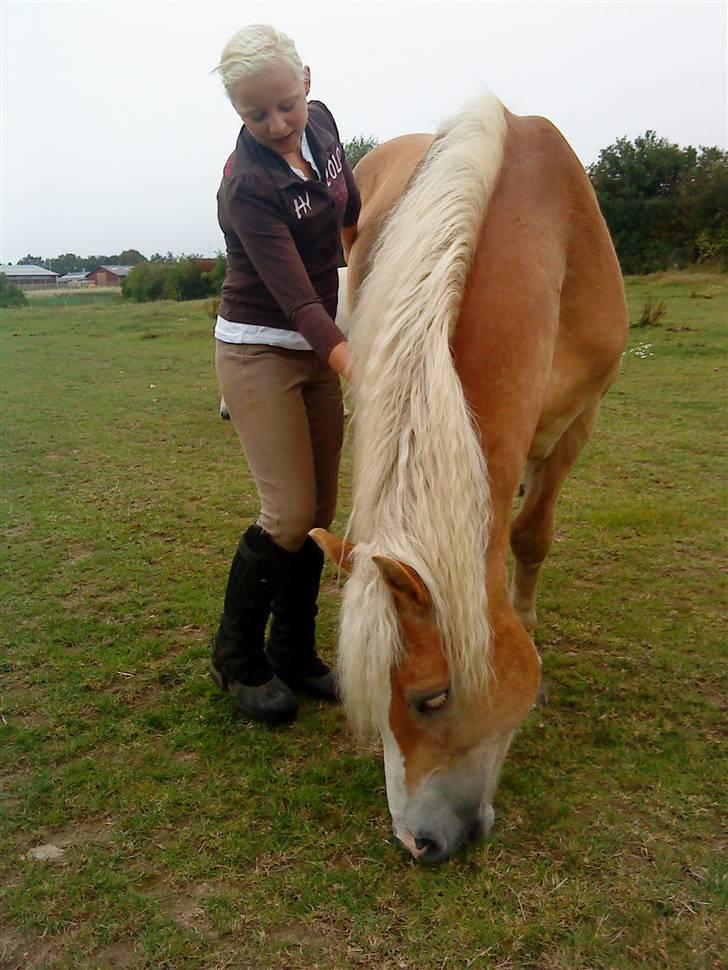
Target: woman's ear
x=307 y=78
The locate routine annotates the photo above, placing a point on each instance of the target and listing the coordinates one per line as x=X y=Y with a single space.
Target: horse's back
x=382 y=177
x=543 y=321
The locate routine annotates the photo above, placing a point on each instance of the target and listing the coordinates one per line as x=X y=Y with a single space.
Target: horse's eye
x=427 y=705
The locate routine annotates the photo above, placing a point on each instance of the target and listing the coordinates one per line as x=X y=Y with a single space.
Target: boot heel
x=216 y=677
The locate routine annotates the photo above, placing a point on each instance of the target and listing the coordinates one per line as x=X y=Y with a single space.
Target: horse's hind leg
x=533 y=528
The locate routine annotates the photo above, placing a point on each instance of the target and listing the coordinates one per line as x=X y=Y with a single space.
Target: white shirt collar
x=308 y=156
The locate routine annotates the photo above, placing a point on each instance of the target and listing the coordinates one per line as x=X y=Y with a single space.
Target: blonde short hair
x=252 y=50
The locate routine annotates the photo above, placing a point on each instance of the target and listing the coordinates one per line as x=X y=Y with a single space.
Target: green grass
x=194 y=839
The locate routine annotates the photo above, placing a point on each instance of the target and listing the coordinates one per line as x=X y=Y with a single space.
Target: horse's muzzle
x=430 y=848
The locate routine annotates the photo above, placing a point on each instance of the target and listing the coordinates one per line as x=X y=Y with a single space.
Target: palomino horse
x=489 y=320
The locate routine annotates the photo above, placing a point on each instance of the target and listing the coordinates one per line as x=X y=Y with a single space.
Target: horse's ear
x=338 y=550
x=407 y=588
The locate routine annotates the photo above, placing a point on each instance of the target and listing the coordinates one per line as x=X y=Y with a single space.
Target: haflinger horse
x=488 y=321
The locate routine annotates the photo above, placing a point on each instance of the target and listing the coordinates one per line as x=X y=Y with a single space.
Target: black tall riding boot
x=292 y=640
x=238 y=663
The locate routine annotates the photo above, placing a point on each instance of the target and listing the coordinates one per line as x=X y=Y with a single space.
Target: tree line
x=71 y=263
x=665 y=206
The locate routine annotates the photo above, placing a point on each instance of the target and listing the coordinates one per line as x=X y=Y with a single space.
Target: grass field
x=191 y=838
x=71 y=297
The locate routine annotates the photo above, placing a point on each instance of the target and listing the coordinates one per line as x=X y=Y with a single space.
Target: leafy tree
x=68 y=263
x=130 y=257
x=31 y=261
x=706 y=198
x=657 y=199
x=358 y=147
x=10 y=294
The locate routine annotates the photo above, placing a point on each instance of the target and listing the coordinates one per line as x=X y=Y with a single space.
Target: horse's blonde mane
x=420 y=477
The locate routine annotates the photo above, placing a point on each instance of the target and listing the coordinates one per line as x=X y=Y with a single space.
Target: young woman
x=287 y=194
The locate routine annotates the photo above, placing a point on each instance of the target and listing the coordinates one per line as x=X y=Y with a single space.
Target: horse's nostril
x=430 y=851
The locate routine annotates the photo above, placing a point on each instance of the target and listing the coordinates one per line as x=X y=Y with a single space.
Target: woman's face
x=273 y=107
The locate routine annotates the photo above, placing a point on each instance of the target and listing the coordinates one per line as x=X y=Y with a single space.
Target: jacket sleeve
x=269 y=245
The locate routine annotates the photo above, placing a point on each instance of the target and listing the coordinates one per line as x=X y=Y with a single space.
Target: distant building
x=74 y=279
x=30 y=277
x=108 y=275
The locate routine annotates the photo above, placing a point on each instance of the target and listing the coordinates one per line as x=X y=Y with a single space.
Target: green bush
x=713 y=246
x=146 y=282
x=185 y=279
x=217 y=274
x=358 y=147
x=10 y=294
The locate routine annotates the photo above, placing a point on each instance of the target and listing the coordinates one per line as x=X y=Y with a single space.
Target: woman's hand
x=340 y=361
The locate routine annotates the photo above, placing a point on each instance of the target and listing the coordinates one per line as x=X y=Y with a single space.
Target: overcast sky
x=114 y=132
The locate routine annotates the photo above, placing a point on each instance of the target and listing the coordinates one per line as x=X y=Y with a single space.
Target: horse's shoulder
x=384 y=173
x=397 y=154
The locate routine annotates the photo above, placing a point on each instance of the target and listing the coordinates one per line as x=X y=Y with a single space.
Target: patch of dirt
x=10 y=802
x=16 y=691
x=185 y=908
x=19 y=953
x=346 y=862
x=51 y=846
x=84 y=833
x=11 y=533
x=17 y=778
x=297 y=933
x=30 y=722
x=117 y=955
x=86 y=599
x=189 y=757
x=79 y=552
x=20 y=703
x=184 y=905
x=10 y=943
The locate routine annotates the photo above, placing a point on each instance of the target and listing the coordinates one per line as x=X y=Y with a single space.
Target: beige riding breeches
x=287 y=409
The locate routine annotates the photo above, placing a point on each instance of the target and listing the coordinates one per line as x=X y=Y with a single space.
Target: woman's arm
x=340 y=361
